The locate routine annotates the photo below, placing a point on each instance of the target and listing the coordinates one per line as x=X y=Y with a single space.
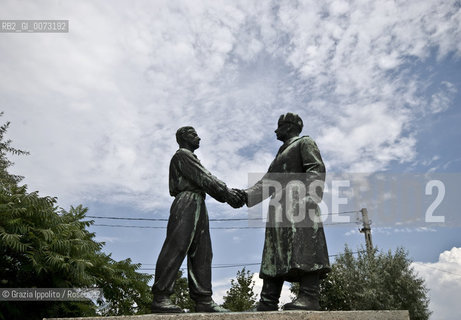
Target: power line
x=164 y=219
x=151 y=227
x=224 y=265
x=423 y=265
x=213 y=219
x=222 y=228
x=126 y=226
x=229 y=265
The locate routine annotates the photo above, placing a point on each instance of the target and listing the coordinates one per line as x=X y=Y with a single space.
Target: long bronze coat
x=293 y=247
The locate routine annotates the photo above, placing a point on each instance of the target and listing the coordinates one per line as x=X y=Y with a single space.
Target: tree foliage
x=240 y=296
x=5 y=148
x=125 y=290
x=44 y=246
x=374 y=281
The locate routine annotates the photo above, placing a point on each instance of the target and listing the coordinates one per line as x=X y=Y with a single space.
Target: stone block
x=276 y=315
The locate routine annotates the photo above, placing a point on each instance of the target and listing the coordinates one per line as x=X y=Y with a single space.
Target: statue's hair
x=293 y=119
x=181 y=132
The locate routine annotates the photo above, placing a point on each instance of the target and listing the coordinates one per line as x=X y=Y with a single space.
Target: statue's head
x=289 y=125
x=188 y=138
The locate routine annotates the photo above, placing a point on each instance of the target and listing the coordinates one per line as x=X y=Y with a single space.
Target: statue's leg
x=309 y=293
x=180 y=233
x=199 y=260
x=270 y=294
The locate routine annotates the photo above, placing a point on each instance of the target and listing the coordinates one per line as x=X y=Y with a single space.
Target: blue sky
x=376 y=82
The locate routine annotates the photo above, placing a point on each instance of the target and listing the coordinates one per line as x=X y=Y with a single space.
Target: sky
x=377 y=84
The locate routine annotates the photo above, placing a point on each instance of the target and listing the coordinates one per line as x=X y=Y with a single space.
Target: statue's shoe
x=302 y=304
x=209 y=307
x=260 y=306
x=164 y=306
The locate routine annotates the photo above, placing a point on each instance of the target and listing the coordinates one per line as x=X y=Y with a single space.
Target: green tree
x=125 y=290
x=374 y=281
x=43 y=246
x=240 y=296
x=5 y=147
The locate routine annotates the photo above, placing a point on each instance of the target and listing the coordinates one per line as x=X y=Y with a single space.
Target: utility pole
x=366 y=229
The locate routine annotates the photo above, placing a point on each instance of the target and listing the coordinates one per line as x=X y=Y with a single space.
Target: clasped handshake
x=236 y=198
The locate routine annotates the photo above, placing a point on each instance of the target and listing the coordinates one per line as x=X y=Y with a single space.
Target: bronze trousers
x=188 y=235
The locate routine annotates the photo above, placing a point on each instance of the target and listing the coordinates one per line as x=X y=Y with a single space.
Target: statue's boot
x=208 y=305
x=270 y=294
x=308 y=296
x=163 y=304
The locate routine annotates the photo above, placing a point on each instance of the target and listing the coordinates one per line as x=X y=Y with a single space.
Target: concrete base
x=276 y=315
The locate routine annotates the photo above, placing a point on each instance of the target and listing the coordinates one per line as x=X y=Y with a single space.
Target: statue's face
x=192 y=139
x=283 y=131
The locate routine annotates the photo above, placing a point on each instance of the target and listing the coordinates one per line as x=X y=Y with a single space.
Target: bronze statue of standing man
x=188 y=228
x=295 y=248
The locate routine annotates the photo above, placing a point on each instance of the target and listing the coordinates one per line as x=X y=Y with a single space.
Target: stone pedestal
x=276 y=315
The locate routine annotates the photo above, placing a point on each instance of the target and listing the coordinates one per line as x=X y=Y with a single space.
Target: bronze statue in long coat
x=295 y=248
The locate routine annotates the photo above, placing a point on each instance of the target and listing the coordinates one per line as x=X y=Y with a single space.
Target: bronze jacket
x=294 y=239
x=188 y=174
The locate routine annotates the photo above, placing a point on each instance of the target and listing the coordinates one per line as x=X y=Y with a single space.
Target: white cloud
x=98 y=107
x=441 y=100
x=390 y=230
x=236 y=239
x=443 y=279
x=352 y=232
x=107 y=239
